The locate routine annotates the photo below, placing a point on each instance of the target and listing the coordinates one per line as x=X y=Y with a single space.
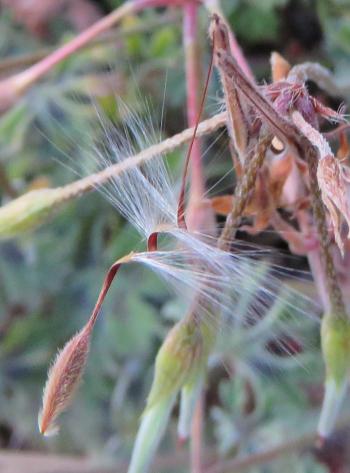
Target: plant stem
x=13 y=87
x=17 y=61
x=197 y=436
x=192 y=68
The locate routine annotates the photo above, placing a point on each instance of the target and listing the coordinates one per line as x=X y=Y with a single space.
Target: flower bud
x=181 y=358
x=63 y=380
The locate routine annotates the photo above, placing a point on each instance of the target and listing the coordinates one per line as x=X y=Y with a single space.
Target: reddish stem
x=192 y=66
x=105 y=287
x=14 y=86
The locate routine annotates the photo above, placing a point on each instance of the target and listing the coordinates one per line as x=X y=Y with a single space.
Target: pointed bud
x=63 y=380
x=28 y=211
x=335 y=340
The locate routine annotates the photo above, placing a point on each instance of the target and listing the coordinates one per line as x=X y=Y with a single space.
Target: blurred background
x=49 y=279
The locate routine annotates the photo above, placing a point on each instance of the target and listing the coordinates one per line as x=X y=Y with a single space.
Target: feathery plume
x=143 y=194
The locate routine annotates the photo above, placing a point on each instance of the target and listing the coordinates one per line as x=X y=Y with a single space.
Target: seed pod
x=63 y=380
x=335 y=339
x=29 y=211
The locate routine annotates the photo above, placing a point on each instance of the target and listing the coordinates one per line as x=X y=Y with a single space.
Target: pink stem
x=23 y=80
x=192 y=67
x=192 y=88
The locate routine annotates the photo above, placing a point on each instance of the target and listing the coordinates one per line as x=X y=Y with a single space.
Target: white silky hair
x=234 y=293
x=143 y=195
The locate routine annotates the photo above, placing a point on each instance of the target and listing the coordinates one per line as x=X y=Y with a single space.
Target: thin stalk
x=197 y=436
x=193 y=73
x=13 y=87
x=197 y=187
x=195 y=135
x=111 y=274
x=23 y=60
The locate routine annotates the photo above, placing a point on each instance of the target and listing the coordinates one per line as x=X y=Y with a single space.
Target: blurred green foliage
x=49 y=279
